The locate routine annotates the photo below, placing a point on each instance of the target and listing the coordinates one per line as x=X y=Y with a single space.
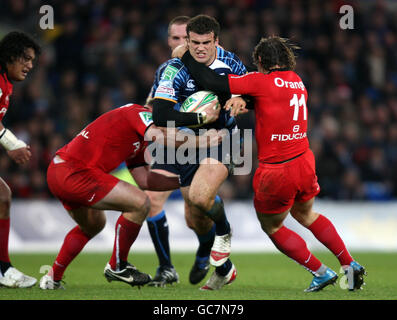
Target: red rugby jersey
x=5 y=93
x=280 y=112
x=114 y=137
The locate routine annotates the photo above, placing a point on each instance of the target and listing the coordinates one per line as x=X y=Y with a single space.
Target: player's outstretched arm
x=175 y=138
x=163 y=112
x=206 y=77
x=150 y=180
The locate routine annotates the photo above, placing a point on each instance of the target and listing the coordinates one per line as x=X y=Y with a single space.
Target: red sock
x=4 y=235
x=325 y=232
x=74 y=242
x=292 y=245
x=126 y=233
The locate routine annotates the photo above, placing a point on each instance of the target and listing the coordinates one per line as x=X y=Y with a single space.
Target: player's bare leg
x=5 y=200
x=89 y=223
x=293 y=246
x=9 y=276
x=203 y=197
x=123 y=197
x=126 y=198
x=325 y=232
x=135 y=205
x=204 y=229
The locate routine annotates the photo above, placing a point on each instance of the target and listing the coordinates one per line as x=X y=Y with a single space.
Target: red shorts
x=277 y=186
x=78 y=186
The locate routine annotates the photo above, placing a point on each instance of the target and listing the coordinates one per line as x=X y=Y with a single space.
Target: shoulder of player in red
x=110 y=139
x=5 y=92
x=258 y=83
x=140 y=116
x=5 y=84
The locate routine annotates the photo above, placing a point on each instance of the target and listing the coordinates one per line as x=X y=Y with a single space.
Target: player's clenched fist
x=21 y=155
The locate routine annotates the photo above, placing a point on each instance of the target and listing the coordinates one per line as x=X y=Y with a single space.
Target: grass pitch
x=260 y=276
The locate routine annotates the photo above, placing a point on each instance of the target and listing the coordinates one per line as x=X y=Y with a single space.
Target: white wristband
x=9 y=141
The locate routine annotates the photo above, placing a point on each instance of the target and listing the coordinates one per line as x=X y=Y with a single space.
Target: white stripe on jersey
x=217 y=64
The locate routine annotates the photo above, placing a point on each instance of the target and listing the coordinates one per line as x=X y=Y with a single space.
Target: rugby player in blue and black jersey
x=201 y=179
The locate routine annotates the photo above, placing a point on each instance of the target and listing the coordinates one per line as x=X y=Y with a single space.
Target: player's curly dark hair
x=272 y=51
x=203 y=24
x=13 y=46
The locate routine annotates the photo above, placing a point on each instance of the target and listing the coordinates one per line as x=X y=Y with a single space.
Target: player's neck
x=273 y=68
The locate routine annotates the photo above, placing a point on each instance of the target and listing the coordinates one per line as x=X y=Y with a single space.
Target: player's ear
x=217 y=41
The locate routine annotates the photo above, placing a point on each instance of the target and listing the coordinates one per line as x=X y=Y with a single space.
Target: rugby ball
x=198 y=101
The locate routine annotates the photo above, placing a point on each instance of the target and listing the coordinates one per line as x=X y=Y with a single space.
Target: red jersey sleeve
x=249 y=83
x=5 y=92
x=140 y=118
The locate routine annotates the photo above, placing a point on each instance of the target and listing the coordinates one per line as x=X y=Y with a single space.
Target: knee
x=95 y=227
x=144 y=208
x=156 y=202
x=305 y=218
x=269 y=228
x=202 y=202
x=199 y=223
x=189 y=222
x=270 y=224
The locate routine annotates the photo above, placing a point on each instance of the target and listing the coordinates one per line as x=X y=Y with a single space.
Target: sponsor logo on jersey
x=166 y=90
x=3 y=110
x=136 y=145
x=84 y=134
x=92 y=198
x=169 y=73
x=1 y=92
x=288 y=137
x=146 y=117
x=289 y=84
x=190 y=84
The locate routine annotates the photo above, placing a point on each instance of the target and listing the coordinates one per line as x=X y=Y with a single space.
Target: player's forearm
x=149 y=180
x=9 y=141
x=206 y=77
x=159 y=182
x=163 y=112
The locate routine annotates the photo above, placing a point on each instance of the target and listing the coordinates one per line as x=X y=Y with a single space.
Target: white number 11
x=297 y=103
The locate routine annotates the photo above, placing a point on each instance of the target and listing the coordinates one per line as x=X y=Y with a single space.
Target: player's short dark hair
x=178 y=20
x=274 y=50
x=203 y=24
x=14 y=45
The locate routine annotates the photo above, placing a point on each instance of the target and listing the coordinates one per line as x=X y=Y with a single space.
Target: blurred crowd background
x=102 y=54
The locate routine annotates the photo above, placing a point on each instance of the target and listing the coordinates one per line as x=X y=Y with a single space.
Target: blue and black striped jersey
x=173 y=81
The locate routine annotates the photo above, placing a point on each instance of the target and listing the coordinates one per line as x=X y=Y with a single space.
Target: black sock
x=206 y=241
x=158 y=229
x=224 y=269
x=4 y=266
x=217 y=214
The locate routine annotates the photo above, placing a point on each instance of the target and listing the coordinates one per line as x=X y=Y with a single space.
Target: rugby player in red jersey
x=285 y=181
x=17 y=52
x=79 y=176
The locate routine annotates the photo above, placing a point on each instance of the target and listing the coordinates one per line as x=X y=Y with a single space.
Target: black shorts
x=185 y=164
